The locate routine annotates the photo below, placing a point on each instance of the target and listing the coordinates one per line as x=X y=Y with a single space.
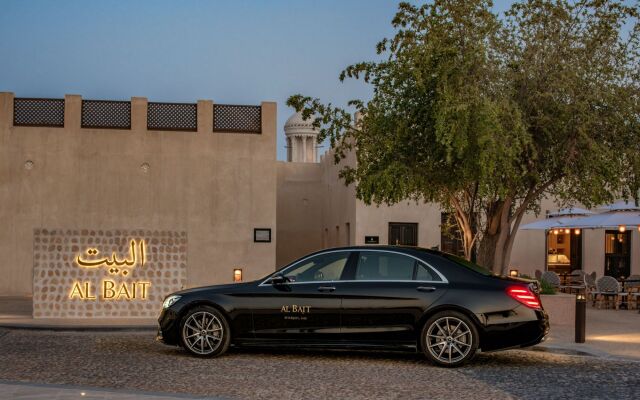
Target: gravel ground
x=133 y=360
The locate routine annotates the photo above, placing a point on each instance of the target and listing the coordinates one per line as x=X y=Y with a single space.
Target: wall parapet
x=115 y=114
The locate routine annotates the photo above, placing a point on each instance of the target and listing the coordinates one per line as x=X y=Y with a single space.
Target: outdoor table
x=624 y=282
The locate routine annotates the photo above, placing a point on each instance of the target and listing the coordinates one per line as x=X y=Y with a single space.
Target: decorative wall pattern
x=241 y=119
x=38 y=112
x=106 y=114
x=172 y=116
x=84 y=273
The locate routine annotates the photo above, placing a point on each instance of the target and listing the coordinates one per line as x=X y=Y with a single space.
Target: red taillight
x=524 y=296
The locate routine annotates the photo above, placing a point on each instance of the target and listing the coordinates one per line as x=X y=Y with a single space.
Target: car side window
x=323 y=267
x=425 y=273
x=384 y=266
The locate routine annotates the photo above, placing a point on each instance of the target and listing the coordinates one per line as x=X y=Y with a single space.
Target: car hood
x=215 y=288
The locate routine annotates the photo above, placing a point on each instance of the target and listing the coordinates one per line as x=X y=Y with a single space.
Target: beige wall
x=374 y=221
x=215 y=186
x=331 y=216
x=299 y=210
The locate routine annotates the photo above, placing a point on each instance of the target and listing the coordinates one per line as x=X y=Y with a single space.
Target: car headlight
x=170 y=300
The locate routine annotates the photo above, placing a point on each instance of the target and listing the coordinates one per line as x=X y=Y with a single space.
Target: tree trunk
x=497 y=240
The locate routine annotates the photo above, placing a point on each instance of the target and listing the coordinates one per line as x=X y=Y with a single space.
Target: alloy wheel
x=449 y=340
x=202 y=333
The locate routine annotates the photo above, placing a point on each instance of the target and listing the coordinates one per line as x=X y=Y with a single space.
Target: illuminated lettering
x=107 y=289
x=134 y=252
x=112 y=289
x=79 y=293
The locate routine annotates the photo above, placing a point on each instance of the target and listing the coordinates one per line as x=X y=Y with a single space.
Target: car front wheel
x=204 y=332
x=449 y=339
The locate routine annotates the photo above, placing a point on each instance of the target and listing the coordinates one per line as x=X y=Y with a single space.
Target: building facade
x=107 y=206
x=191 y=182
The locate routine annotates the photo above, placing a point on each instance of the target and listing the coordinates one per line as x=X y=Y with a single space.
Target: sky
x=232 y=52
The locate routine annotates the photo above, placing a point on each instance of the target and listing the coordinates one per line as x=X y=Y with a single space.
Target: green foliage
x=546 y=287
x=485 y=115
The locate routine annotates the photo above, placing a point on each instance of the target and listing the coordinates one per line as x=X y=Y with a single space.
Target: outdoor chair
x=551 y=278
x=589 y=286
x=576 y=281
x=607 y=292
x=632 y=287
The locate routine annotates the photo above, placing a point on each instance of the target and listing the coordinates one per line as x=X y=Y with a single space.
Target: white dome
x=295 y=125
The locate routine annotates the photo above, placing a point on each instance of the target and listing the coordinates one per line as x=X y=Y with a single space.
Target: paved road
x=133 y=361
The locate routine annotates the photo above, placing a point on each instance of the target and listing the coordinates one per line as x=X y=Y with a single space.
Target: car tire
x=204 y=332
x=449 y=339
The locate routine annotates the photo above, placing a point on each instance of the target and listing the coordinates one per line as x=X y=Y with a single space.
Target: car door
x=388 y=292
x=307 y=306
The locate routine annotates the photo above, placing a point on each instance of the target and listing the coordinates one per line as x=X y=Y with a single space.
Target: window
x=424 y=273
x=323 y=267
x=403 y=234
x=381 y=266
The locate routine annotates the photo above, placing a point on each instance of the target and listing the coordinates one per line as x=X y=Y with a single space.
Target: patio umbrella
x=561 y=218
x=611 y=219
x=550 y=223
x=621 y=205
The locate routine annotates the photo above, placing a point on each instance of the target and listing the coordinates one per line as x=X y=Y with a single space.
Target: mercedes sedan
x=386 y=297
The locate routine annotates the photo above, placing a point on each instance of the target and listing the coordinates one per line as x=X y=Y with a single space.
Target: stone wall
x=81 y=273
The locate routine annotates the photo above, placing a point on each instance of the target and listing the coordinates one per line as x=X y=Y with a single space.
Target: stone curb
x=103 y=390
x=77 y=328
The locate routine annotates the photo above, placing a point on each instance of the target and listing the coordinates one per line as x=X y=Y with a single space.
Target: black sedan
x=383 y=297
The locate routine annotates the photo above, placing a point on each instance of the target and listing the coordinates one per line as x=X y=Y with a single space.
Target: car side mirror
x=278 y=279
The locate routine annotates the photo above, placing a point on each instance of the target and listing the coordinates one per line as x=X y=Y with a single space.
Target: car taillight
x=524 y=295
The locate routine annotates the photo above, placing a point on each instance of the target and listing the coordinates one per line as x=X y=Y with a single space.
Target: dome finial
x=302 y=139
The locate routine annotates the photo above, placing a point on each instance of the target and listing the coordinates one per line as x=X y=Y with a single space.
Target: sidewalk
x=609 y=333
x=18 y=390
x=16 y=313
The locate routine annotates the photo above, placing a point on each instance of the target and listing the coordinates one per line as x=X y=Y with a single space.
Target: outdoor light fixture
x=567 y=231
x=513 y=273
x=622 y=228
x=576 y=231
x=555 y=231
x=580 y=296
x=237 y=274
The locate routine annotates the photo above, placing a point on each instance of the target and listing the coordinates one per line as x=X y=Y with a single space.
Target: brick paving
x=134 y=361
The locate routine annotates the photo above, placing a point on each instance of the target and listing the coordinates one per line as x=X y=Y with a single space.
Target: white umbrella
x=571 y=211
x=550 y=223
x=611 y=219
x=559 y=219
x=621 y=205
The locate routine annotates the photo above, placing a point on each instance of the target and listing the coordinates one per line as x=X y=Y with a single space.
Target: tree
x=487 y=114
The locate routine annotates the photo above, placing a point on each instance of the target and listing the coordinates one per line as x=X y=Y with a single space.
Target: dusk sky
x=233 y=52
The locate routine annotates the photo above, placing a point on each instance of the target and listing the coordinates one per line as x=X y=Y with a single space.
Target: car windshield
x=468 y=264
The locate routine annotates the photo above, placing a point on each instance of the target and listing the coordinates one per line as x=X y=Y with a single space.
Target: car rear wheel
x=204 y=332
x=449 y=339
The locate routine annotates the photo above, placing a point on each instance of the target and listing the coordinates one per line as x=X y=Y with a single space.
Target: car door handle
x=326 y=288
x=426 y=289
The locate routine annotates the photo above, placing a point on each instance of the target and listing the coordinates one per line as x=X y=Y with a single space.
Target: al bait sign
x=112 y=288
x=80 y=273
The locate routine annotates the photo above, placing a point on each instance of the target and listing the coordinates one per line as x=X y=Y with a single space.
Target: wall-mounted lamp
x=513 y=273
x=555 y=231
x=576 y=231
x=622 y=228
x=567 y=231
x=237 y=274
